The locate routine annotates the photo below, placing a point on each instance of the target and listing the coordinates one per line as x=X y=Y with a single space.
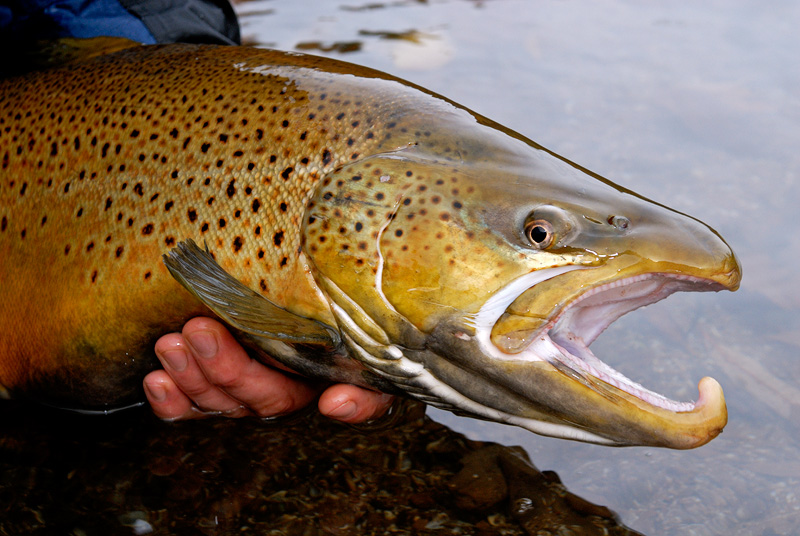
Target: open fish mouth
x=565 y=340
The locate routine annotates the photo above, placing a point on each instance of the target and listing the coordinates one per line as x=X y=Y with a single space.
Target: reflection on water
x=132 y=474
x=694 y=105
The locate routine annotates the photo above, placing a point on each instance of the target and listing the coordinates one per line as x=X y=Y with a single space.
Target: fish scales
x=116 y=160
x=346 y=223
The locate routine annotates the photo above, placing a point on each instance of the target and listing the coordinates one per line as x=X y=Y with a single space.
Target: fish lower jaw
x=588 y=368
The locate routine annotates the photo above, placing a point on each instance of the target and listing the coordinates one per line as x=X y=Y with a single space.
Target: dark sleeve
x=187 y=21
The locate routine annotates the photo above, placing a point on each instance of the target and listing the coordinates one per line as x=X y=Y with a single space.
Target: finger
x=181 y=364
x=349 y=403
x=167 y=401
x=230 y=370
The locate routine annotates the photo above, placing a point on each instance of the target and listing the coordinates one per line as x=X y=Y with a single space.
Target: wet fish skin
x=358 y=229
x=116 y=160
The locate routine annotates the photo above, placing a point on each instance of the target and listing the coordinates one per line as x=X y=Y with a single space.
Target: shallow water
x=692 y=104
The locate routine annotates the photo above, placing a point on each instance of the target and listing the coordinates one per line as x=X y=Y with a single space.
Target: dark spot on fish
x=362 y=246
x=204 y=148
x=192 y=213
x=147 y=275
x=139 y=189
x=231 y=190
x=398 y=233
x=379 y=196
x=260 y=253
x=89 y=247
x=456 y=204
x=326 y=157
x=204 y=227
x=286 y=173
x=154 y=197
x=223 y=138
x=222 y=223
x=147 y=229
x=283 y=206
x=359 y=226
x=79 y=213
x=66 y=188
x=134 y=133
x=256 y=205
x=263 y=285
x=277 y=238
x=169 y=241
x=237 y=244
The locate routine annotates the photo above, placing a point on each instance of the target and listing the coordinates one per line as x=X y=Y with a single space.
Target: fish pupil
x=538 y=234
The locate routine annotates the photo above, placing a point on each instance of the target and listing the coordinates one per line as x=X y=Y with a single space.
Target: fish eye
x=540 y=233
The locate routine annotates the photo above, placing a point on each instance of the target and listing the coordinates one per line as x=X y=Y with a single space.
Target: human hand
x=206 y=372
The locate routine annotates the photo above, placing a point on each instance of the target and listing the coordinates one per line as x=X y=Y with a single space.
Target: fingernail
x=156 y=391
x=176 y=359
x=204 y=343
x=345 y=411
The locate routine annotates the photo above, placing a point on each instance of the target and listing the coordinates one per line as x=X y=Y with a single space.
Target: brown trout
x=353 y=226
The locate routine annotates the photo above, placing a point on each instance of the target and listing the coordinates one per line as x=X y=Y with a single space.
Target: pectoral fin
x=238 y=305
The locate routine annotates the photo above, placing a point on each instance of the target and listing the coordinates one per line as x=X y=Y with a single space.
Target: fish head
x=478 y=288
